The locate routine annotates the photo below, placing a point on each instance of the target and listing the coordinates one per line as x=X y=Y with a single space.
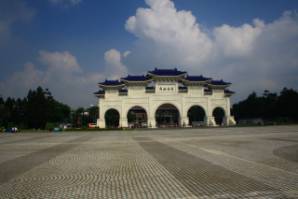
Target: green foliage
x=50 y=126
x=34 y=111
x=282 y=108
x=81 y=117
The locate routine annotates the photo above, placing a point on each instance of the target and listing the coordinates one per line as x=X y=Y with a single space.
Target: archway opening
x=218 y=114
x=196 y=116
x=137 y=117
x=112 y=117
x=167 y=115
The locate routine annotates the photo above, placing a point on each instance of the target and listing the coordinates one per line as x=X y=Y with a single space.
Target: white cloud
x=60 y=60
x=237 y=41
x=126 y=53
x=254 y=56
x=114 y=68
x=175 y=36
x=11 y=12
x=20 y=82
x=66 y=2
x=61 y=73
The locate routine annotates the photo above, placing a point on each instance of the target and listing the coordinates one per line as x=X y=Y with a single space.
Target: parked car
x=57 y=129
x=11 y=130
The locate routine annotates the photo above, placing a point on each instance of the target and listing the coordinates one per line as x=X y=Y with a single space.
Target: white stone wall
x=165 y=93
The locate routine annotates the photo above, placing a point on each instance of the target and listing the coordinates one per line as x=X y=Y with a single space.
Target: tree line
x=271 y=107
x=39 y=110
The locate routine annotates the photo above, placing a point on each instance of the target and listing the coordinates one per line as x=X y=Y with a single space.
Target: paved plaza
x=245 y=162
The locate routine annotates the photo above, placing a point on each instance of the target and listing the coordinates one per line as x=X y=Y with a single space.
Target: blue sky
x=36 y=37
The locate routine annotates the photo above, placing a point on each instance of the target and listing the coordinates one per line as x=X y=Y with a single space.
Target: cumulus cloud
x=64 y=76
x=126 y=53
x=66 y=2
x=21 y=81
x=254 y=56
x=171 y=33
x=237 y=41
x=11 y=12
x=263 y=56
x=58 y=71
x=114 y=68
x=63 y=61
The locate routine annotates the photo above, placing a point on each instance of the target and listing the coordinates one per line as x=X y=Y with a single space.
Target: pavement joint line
x=15 y=167
x=26 y=140
x=195 y=173
x=235 y=157
x=118 y=166
x=226 y=136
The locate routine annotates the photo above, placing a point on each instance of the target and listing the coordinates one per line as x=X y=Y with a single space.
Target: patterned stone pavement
x=176 y=163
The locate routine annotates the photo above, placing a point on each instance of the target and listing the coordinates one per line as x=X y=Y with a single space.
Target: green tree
x=93 y=114
x=2 y=112
x=269 y=106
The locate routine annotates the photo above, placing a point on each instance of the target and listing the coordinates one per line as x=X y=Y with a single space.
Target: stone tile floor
x=252 y=162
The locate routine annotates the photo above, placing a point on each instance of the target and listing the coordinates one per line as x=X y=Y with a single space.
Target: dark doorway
x=196 y=116
x=218 y=114
x=112 y=117
x=167 y=115
x=137 y=117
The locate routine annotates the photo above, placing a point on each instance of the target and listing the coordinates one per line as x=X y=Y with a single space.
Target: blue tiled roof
x=167 y=72
x=111 y=83
x=229 y=91
x=197 y=78
x=135 y=78
x=219 y=82
x=99 y=92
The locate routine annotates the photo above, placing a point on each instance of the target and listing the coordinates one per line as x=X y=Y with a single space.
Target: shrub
x=50 y=126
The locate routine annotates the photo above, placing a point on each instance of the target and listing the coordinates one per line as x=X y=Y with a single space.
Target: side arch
x=219 y=114
x=112 y=118
x=196 y=115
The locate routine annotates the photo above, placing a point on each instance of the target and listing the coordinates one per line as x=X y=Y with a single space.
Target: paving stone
x=174 y=163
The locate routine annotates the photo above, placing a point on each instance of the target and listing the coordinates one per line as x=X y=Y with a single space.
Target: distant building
x=164 y=98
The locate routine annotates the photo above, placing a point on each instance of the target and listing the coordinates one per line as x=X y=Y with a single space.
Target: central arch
x=167 y=115
x=196 y=116
x=112 y=118
x=137 y=117
x=218 y=114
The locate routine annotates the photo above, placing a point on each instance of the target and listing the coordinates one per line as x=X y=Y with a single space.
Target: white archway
x=137 y=117
x=196 y=115
x=219 y=115
x=112 y=118
x=167 y=115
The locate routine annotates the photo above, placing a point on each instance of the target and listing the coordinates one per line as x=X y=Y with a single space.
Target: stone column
x=210 y=121
x=184 y=122
x=101 y=123
x=225 y=121
x=151 y=122
x=123 y=122
x=230 y=121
